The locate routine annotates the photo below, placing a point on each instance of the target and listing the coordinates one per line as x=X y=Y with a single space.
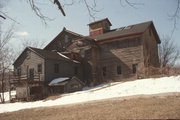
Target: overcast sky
x=32 y=28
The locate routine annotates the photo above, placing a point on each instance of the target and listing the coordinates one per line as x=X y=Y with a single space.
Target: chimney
x=99 y=27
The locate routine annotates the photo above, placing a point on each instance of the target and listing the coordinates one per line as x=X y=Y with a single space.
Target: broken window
x=56 y=68
x=134 y=68
x=119 y=71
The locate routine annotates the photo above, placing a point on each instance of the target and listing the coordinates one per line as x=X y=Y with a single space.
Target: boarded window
x=39 y=68
x=104 y=71
x=56 y=68
x=119 y=71
x=76 y=70
x=134 y=68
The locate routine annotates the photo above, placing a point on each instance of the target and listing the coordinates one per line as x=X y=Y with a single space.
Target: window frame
x=39 y=68
x=134 y=68
x=118 y=69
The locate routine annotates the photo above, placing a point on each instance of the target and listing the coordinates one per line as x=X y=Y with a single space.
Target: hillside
x=104 y=91
x=159 y=106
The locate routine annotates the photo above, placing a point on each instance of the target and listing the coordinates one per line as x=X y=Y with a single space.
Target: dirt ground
x=161 y=106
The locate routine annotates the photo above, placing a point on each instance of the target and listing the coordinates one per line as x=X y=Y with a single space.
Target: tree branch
x=59 y=7
x=2 y=17
x=175 y=17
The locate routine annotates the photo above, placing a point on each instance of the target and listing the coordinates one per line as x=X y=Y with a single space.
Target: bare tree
x=32 y=43
x=27 y=43
x=174 y=17
x=91 y=5
x=168 y=52
x=5 y=55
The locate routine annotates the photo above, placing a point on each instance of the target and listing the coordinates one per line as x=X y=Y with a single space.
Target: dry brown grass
x=154 y=107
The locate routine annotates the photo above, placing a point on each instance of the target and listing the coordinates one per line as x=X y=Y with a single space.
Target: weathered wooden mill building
x=104 y=55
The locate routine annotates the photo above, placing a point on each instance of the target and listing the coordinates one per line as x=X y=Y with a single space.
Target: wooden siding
x=150 y=49
x=22 y=92
x=59 y=44
x=30 y=60
x=66 y=69
x=73 y=85
x=122 y=53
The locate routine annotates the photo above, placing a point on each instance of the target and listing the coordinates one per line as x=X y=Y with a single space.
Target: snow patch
x=57 y=80
x=104 y=91
x=6 y=95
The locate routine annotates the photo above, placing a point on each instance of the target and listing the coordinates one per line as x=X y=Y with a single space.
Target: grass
x=139 y=107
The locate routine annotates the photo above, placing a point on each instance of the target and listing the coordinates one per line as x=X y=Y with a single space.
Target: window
x=134 y=68
x=39 y=68
x=106 y=26
x=66 y=38
x=19 y=71
x=56 y=68
x=104 y=71
x=119 y=71
x=76 y=70
x=31 y=74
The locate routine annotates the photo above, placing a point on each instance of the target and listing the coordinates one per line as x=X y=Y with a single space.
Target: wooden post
x=9 y=86
x=27 y=91
x=3 y=86
x=39 y=78
x=27 y=88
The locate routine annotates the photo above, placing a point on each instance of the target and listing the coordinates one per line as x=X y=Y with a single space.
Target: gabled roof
x=64 y=30
x=45 y=54
x=130 y=30
x=105 y=19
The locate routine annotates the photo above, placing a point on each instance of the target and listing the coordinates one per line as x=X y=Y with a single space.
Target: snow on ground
x=104 y=91
x=57 y=80
x=6 y=95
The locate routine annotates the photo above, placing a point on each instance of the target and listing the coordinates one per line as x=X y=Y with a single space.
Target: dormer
x=99 y=27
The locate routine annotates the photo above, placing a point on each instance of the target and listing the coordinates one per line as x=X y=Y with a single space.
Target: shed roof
x=58 y=80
